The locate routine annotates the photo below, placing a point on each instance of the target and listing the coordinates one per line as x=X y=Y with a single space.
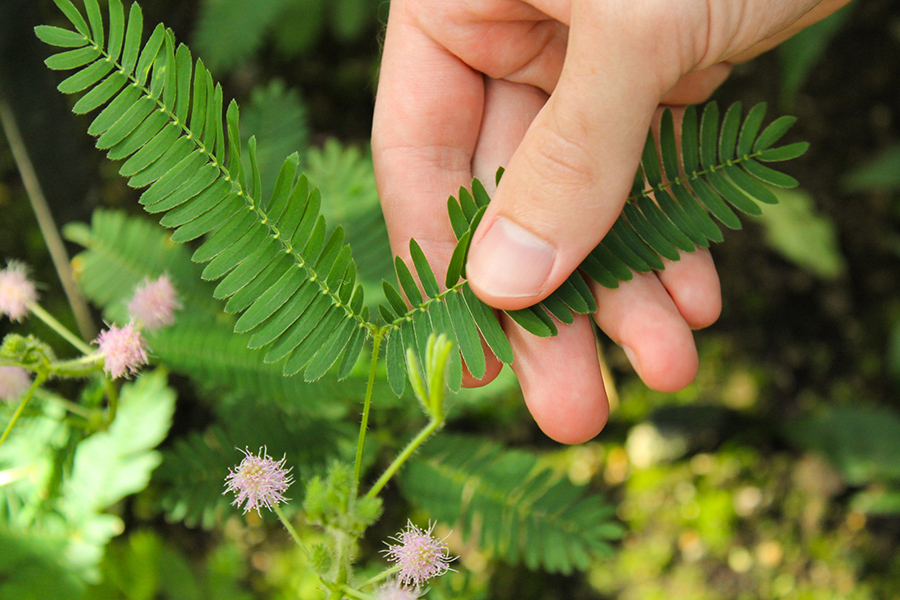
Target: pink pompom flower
x=258 y=481
x=17 y=291
x=154 y=303
x=14 y=381
x=124 y=350
x=419 y=555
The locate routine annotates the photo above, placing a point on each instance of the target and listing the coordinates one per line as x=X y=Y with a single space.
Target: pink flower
x=258 y=481
x=419 y=555
x=16 y=290
x=394 y=590
x=13 y=383
x=154 y=303
x=124 y=350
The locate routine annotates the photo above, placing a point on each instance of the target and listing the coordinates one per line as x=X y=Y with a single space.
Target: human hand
x=562 y=92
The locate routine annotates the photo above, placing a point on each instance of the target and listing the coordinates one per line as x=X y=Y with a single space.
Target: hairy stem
x=380 y=577
x=59 y=328
x=38 y=381
x=356 y=593
x=411 y=447
x=287 y=525
x=377 y=336
x=47 y=225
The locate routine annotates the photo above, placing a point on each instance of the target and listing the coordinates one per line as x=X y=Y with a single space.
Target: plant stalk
x=377 y=336
x=287 y=525
x=38 y=380
x=47 y=225
x=411 y=447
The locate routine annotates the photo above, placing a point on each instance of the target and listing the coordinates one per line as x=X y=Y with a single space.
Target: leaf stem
x=411 y=447
x=377 y=336
x=59 y=328
x=287 y=525
x=38 y=380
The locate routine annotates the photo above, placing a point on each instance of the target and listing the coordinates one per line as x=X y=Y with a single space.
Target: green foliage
x=121 y=251
x=331 y=501
x=276 y=116
x=802 y=235
x=717 y=168
x=193 y=471
x=30 y=569
x=881 y=172
x=142 y=566
x=276 y=265
x=229 y=32
x=66 y=484
x=512 y=507
x=294 y=284
x=861 y=441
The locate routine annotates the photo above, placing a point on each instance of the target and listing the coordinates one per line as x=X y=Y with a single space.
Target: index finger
x=427 y=116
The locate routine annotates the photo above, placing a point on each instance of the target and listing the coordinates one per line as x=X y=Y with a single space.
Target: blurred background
x=775 y=475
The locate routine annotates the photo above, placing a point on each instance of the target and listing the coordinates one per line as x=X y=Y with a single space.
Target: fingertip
x=493 y=367
x=561 y=381
x=642 y=318
x=508 y=266
x=693 y=284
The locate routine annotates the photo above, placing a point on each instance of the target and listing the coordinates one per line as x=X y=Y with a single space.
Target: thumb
x=569 y=178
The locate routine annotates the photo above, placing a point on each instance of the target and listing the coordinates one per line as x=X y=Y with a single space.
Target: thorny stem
x=38 y=380
x=377 y=336
x=411 y=447
x=46 y=223
x=287 y=525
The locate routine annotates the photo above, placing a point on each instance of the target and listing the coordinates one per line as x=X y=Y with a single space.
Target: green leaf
x=503 y=501
x=85 y=78
x=784 y=152
x=404 y=276
x=488 y=325
x=881 y=172
x=750 y=129
x=132 y=45
x=426 y=275
x=802 y=235
x=72 y=59
x=116 y=29
x=61 y=38
x=768 y=175
x=774 y=132
x=860 y=440
x=101 y=94
x=74 y=16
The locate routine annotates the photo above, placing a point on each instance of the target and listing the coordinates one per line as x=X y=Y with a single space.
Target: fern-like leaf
x=677 y=194
x=273 y=257
x=515 y=509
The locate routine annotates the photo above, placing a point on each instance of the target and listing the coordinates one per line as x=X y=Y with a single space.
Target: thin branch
x=46 y=223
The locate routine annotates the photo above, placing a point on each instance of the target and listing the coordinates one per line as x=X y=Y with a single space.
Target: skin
x=561 y=92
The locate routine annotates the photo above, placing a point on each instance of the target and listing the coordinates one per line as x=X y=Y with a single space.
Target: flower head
x=124 y=350
x=419 y=555
x=13 y=383
x=154 y=303
x=258 y=481
x=16 y=290
x=394 y=590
